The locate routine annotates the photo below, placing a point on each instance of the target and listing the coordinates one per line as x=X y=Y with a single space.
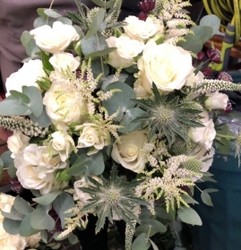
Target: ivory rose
x=27 y=75
x=64 y=104
x=64 y=61
x=139 y=29
x=204 y=135
x=56 y=38
x=166 y=65
x=127 y=151
x=63 y=143
x=216 y=100
x=91 y=135
x=126 y=50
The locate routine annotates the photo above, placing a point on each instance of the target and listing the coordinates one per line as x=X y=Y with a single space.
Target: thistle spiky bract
x=170 y=116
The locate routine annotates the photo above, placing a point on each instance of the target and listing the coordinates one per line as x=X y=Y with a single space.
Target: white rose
x=166 y=65
x=63 y=143
x=55 y=39
x=127 y=151
x=64 y=62
x=92 y=135
x=126 y=50
x=32 y=154
x=27 y=75
x=216 y=100
x=17 y=142
x=64 y=105
x=139 y=29
x=205 y=135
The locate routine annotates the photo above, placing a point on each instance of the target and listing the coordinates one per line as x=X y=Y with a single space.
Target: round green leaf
x=141 y=242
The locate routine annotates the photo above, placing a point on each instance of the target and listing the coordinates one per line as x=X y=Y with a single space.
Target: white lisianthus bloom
x=91 y=135
x=33 y=177
x=126 y=50
x=27 y=75
x=17 y=142
x=62 y=143
x=56 y=38
x=128 y=151
x=64 y=104
x=36 y=168
x=64 y=61
x=216 y=100
x=167 y=65
x=139 y=29
x=204 y=135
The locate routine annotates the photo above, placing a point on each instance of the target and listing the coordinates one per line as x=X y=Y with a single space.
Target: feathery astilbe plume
x=23 y=124
x=76 y=220
x=177 y=20
x=169 y=116
x=179 y=174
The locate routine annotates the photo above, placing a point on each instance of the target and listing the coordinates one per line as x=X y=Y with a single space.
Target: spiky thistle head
x=113 y=198
x=170 y=116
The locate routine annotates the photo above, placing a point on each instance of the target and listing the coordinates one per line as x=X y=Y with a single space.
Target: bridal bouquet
x=113 y=119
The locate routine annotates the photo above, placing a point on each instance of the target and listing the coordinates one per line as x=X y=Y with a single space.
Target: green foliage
x=141 y=242
x=189 y=216
x=120 y=101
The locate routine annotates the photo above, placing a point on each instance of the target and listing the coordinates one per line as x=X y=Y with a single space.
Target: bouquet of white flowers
x=113 y=119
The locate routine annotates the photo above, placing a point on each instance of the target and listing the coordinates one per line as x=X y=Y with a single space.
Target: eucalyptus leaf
x=22 y=206
x=93 y=44
x=78 y=167
x=120 y=101
x=47 y=199
x=64 y=20
x=96 y=165
x=9 y=107
x=194 y=42
x=212 y=21
x=29 y=43
x=51 y=13
x=206 y=198
x=43 y=120
x=6 y=158
x=128 y=124
x=19 y=96
x=25 y=228
x=40 y=219
x=35 y=100
x=150 y=227
x=141 y=242
x=189 y=216
x=61 y=204
x=13 y=214
x=11 y=226
x=98 y=24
